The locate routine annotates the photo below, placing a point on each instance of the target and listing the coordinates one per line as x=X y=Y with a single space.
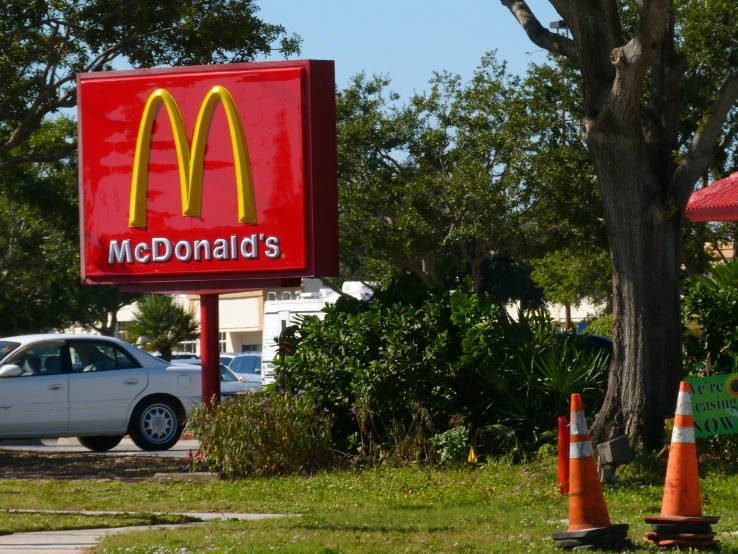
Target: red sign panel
x=213 y=174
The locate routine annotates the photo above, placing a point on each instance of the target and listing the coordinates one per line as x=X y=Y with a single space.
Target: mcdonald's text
x=162 y=250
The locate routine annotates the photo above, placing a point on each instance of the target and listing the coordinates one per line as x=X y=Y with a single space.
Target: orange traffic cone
x=589 y=522
x=587 y=508
x=681 y=522
x=682 y=488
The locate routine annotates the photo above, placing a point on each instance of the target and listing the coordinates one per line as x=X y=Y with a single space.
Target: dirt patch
x=16 y=464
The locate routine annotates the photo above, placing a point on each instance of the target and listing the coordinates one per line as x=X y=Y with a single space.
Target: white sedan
x=95 y=388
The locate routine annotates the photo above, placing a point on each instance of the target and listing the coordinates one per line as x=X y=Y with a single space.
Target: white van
x=281 y=311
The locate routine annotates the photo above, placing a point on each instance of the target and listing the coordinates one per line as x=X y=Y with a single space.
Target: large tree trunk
x=644 y=234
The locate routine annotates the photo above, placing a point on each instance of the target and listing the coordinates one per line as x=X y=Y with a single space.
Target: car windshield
x=6 y=347
x=245 y=364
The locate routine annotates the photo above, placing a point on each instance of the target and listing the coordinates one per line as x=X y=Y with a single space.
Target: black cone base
x=600 y=538
x=681 y=533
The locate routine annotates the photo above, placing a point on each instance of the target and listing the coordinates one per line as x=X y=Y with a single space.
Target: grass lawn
x=497 y=508
x=35 y=521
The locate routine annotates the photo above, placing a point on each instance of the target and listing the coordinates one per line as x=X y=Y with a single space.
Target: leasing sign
x=715 y=404
x=213 y=174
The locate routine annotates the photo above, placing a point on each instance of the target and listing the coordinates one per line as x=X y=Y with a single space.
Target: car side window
x=45 y=358
x=88 y=356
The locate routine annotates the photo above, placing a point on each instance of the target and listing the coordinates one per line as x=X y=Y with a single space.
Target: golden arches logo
x=191 y=161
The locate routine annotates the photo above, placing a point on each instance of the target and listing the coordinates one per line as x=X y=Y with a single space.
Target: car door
x=104 y=382
x=36 y=402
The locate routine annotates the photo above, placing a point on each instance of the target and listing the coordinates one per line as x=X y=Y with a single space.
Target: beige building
x=241 y=316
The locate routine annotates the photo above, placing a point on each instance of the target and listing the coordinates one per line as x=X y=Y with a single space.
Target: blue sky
x=408 y=39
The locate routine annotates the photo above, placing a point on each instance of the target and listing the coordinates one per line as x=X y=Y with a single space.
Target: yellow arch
x=191 y=162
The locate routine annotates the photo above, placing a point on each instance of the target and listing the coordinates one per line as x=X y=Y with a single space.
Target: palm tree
x=160 y=324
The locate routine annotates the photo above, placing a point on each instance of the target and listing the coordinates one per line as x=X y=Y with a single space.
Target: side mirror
x=10 y=370
x=241 y=379
x=257 y=371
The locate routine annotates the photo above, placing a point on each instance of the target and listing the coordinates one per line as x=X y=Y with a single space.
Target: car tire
x=156 y=424
x=100 y=444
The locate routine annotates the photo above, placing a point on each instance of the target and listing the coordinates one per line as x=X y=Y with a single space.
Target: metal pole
x=563 y=469
x=209 y=326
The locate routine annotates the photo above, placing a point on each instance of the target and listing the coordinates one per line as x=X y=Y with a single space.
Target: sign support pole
x=209 y=326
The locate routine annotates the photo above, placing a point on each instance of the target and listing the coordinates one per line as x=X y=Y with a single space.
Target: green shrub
x=601 y=326
x=712 y=301
x=376 y=368
x=530 y=374
x=451 y=447
x=264 y=434
x=396 y=376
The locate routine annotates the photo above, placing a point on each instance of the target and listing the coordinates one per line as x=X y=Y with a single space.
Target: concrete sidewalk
x=66 y=542
x=125 y=448
x=79 y=540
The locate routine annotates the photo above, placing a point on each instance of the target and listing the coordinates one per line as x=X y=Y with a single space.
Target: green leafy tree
x=39 y=246
x=659 y=84
x=424 y=184
x=160 y=324
x=478 y=178
x=436 y=184
x=570 y=276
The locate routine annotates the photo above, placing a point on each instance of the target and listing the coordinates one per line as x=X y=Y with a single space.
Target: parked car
x=593 y=343
x=599 y=343
x=231 y=384
x=247 y=366
x=94 y=388
x=186 y=361
x=226 y=358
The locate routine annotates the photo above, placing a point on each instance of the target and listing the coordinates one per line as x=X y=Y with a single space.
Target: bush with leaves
x=601 y=326
x=529 y=374
x=394 y=375
x=371 y=363
x=452 y=446
x=712 y=301
x=264 y=434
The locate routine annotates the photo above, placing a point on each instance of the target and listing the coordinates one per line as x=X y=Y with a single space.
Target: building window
x=187 y=346
x=221 y=342
x=250 y=348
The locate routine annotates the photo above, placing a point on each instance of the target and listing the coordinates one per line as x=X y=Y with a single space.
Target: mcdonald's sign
x=208 y=178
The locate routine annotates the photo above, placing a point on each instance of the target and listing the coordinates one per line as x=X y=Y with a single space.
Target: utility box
x=610 y=455
x=615 y=451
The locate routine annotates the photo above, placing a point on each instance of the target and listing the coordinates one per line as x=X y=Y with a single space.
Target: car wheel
x=100 y=444
x=156 y=424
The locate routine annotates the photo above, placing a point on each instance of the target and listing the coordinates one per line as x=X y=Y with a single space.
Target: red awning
x=718 y=202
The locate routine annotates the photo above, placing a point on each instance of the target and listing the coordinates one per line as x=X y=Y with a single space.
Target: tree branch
x=326 y=281
x=39 y=108
x=705 y=140
x=633 y=60
x=541 y=37
x=46 y=157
